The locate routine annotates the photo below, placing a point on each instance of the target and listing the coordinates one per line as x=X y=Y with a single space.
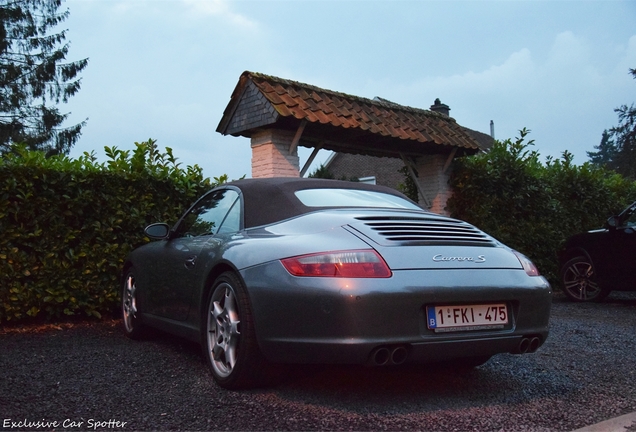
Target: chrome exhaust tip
x=528 y=344
x=380 y=356
x=535 y=343
x=399 y=355
x=524 y=345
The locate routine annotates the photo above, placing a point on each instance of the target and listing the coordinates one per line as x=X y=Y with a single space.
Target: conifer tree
x=617 y=149
x=35 y=78
x=625 y=137
x=606 y=151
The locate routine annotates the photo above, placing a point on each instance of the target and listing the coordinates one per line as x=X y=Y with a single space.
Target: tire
x=133 y=327
x=229 y=340
x=579 y=283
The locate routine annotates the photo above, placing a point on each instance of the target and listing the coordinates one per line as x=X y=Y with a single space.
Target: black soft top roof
x=269 y=200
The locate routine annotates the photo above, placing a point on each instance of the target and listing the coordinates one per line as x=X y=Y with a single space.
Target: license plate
x=467 y=317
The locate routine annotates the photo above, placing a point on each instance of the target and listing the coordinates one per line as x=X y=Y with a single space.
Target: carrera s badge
x=478 y=259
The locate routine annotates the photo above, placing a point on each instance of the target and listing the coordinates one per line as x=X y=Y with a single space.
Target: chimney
x=441 y=108
x=492 y=129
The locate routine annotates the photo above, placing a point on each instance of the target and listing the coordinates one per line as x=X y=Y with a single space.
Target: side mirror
x=612 y=222
x=157 y=231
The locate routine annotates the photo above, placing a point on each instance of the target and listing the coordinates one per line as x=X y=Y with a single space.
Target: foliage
x=67 y=225
x=323 y=172
x=34 y=77
x=408 y=188
x=606 y=151
x=531 y=206
x=617 y=149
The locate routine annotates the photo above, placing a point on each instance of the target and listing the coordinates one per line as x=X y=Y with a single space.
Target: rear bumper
x=326 y=320
x=365 y=352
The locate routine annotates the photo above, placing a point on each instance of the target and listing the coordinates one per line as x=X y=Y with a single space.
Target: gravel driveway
x=89 y=376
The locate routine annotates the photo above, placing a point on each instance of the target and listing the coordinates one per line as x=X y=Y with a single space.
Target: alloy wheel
x=223 y=330
x=129 y=303
x=578 y=280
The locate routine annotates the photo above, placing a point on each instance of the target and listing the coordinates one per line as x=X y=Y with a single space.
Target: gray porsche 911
x=266 y=272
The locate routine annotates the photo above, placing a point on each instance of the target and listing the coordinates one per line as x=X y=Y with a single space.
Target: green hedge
x=67 y=225
x=531 y=206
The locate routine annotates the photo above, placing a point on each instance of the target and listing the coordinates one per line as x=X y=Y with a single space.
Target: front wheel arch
x=573 y=253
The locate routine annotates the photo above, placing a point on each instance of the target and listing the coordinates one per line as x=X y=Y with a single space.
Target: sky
x=165 y=69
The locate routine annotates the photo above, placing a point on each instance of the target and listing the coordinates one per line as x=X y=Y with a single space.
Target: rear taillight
x=528 y=266
x=349 y=264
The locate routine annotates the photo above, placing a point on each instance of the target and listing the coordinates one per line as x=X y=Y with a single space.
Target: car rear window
x=352 y=198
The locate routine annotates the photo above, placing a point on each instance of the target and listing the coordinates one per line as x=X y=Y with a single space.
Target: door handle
x=191 y=261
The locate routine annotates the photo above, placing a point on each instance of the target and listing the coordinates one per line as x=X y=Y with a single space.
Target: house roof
x=484 y=141
x=338 y=121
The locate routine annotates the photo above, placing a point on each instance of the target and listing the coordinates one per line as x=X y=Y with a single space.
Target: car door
x=623 y=250
x=179 y=262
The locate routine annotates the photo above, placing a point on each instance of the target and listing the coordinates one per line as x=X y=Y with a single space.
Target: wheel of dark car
x=132 y=326
x=579 y=281
x=229 y=343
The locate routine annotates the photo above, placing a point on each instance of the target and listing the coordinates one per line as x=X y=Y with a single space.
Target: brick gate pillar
x=270 y=154
x=433 y=180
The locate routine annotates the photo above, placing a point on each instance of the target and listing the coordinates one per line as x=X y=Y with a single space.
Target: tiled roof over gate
x=261 y=100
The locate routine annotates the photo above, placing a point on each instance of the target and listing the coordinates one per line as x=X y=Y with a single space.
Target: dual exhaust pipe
x=389 y=355
x=396 y=355
x=528 y=344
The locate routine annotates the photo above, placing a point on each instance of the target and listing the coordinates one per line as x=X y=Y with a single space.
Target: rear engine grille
x=424 y=231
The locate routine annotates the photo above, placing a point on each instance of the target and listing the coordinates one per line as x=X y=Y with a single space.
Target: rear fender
x=256 y=249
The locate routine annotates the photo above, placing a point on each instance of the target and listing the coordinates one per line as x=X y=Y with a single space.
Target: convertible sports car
x=265 y=272
x=597 y=262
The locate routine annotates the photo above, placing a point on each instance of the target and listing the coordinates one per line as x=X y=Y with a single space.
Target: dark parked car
x=597 y=262
x=265 y=272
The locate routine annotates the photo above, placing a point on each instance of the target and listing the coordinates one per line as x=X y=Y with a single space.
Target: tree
x=606 y=153
x=321 y=172
x=34 y=78
x=617 y=149
x=408 y=188
x=625 y=136
x=324 y=173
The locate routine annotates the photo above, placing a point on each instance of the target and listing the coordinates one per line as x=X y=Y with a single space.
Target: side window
x=207 y=216
x=232 y=222
x=630 y=221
